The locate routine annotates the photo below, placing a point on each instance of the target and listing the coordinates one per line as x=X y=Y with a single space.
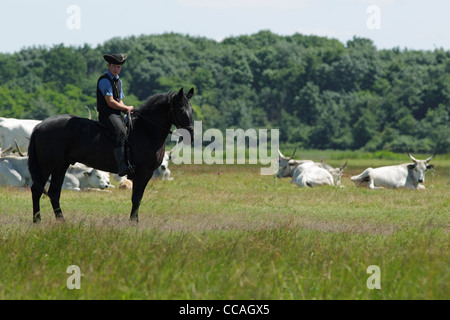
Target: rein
x=139 y=114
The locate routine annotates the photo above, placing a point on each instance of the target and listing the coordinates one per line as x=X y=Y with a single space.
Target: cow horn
x=280 y=154
x=18 y=148
x=430 y=158
x=6 y=150
x=89 y=112
x=173 y=149
x=343 y=166
x=293 y=153
x=412 y=158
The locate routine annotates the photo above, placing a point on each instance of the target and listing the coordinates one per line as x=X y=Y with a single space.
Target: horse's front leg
x=140 y=182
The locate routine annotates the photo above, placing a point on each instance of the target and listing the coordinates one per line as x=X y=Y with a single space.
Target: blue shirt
x=105 y=86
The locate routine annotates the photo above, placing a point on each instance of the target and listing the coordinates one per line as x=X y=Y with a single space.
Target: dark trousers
x=116 y=126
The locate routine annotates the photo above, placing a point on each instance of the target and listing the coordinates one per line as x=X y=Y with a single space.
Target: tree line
x=320 y=93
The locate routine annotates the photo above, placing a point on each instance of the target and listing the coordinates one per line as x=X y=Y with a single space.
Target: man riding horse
x=62 y=140
x=110 y=105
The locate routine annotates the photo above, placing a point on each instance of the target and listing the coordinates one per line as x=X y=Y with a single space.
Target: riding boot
x=119 y=155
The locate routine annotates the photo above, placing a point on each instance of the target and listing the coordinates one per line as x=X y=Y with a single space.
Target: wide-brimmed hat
x=119 y=58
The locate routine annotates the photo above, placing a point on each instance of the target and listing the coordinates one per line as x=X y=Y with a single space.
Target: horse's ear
x=190 y=93
x=180 y=93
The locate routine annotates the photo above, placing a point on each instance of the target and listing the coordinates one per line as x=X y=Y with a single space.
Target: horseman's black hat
x=115 y=58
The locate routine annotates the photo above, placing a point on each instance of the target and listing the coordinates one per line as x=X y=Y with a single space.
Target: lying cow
x=313 y=174
x=162 y=172
x=14 y=172
x=18 y=130
x=80 y=177
x=336 y=173
x=407 y=175
x=286 y=165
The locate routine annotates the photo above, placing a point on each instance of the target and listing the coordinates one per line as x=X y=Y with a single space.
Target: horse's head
x=181 y=113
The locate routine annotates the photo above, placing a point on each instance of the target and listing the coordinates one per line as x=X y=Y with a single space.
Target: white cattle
x=80 y=177
x=286 y=165
x=162 y=172
x=317 y=174
x=14 y=172
x=407 y=175
x=18 y=130
x=336 y=173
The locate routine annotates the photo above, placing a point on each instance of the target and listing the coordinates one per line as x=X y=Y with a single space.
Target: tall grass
x=233 y=235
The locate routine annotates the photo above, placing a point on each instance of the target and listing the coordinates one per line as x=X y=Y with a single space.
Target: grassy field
x=233 y=235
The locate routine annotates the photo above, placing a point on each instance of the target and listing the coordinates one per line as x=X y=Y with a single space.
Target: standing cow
x=407 y=175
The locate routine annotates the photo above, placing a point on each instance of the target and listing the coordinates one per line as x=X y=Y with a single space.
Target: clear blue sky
x=412 y=24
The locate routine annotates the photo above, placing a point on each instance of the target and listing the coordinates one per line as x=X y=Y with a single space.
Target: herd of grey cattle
x=307 y=173
x=14 y=139
x=15 y=133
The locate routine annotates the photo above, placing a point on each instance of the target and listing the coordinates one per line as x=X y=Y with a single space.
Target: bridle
x=175 y=120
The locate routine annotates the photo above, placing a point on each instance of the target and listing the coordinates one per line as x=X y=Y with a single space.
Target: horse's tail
x=33 y=165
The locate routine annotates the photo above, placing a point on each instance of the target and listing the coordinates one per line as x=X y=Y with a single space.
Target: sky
x=406 y=24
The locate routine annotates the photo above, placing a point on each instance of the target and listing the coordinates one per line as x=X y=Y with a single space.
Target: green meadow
x=227 y=232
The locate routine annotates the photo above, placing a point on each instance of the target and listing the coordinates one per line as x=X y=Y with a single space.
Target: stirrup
x=131 y=168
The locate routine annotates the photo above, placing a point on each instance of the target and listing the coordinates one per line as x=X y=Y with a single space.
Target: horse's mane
x=156 y=100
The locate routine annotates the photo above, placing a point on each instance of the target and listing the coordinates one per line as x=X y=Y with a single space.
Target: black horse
x=62 y=140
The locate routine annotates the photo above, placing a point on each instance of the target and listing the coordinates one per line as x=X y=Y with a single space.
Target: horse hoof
x=134 y=220
x=36 y=218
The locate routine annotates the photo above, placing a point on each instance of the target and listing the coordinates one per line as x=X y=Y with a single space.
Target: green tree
x=320 y=92
x=64 y=66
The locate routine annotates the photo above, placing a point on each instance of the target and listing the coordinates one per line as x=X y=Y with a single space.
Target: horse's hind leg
x=54 y=192
x=36 y=194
